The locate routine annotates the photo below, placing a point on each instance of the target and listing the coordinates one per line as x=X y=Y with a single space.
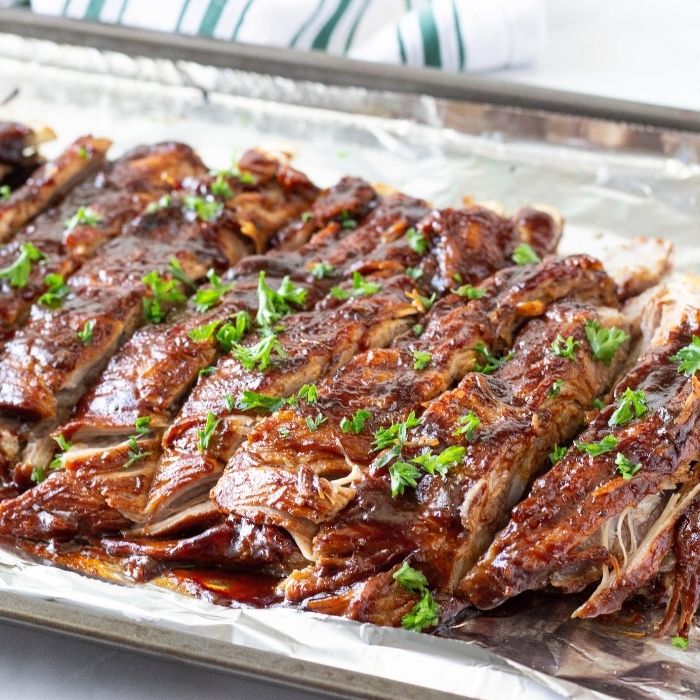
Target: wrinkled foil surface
x=610 y=181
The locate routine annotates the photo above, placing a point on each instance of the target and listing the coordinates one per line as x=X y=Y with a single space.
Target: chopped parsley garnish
x=416 y=240
x=205 y=299
x=360 y=287
x=206 y=371
x=469 y=292
x=85 y=333
x=425 y=612
x=680 y=642
x=525 y=255
x=418 y=329
x=626 y=466
x=555 y=389
x=245 y=177
x=356 y=424
x=252 y=400
x=205 y=332
x=421 y=359
x=176 y=271
x=56 y=291
x=229 y=334
x=204 y=209
x=220 y=187
x=415 y=273
x=420 y=302
x=142 y=425
x=309 y=393
x=273 y=305
x=396 y=433
x=259 y=355
x=565 y=347
x=490 y=362
x=230 y=402
x=204 y=434
x=284 y=432
x=163 y=203
x=440 y=464
x=39 y=473
x=633 y=404
x=607 y=444
x=688 y=359
x=163 y=291
x=18 y=272
x=83 y=153
x=346 y=221
x=313 y=423
x=84 y=216
x=5 y=192
x=557 y=454
x=403 y=474
x=604 y=342
x=321 y=269
x=136 y=454
x=468 y=425
x=307 y=216
x=597 y=403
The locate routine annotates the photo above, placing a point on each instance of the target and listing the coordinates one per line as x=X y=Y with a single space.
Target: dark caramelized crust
x=565 y=529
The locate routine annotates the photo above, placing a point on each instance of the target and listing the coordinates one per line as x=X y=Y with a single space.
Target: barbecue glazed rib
x=19 y=154
x=612 y=509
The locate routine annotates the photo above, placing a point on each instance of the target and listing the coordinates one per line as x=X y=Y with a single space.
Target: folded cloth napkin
x=455 y=35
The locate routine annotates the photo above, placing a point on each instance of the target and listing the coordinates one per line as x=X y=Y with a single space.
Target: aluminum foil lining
x=610 y=181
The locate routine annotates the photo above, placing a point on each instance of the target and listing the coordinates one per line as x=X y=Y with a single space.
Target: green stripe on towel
x=431 y=41
x=211 y=17
x=324 y=36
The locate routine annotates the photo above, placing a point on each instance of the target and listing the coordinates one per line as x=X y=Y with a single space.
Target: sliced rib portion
x=19 y=151
x=267 y=478
x=160 y=363
x=92 y=213
x=514 y=419
x=607 y=508
x=48 y=182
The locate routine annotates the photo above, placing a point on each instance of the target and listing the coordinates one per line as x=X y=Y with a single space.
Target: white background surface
x=644 y=50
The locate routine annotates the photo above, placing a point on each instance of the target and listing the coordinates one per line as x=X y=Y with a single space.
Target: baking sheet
x=610 y=181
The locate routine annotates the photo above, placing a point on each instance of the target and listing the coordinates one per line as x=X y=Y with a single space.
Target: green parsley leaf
x=313 y=423
x=5 y=192
x=415 y=273
x=142 y=424
x=396 y=433
x=84 y=216
x=207 y=298
x=604 y=342
x=411 y=579
x=259 y=355
x=85 y=333
x=136 y=454
x=309 y=393
x=83 y=153
x=57 y=290
x=360 y=287
x=425 y=613
x=346 y=221
x=273 y=305
x=688 y=358
x=424 y=303
x=597 y=403
x=565 y=348
x=57 y=462
x=220 y=187
x=356 y=424
x=206 y=371
x=440 y=464
x=205 y=332
x=307 y=216
x=252 y=400
x=525 y=255
x=421 y=359
x=284 y=432
x=204 y=434
x=204 y=209
x=608 y=443
x=163 y=291
x=680 y=642
x=418 y=329
x=163 y=203
x=468 y=425
x=626 y=466
x=229 y=334
x=469 y=292
x=403 y=474
x=18 y=272
x=321 y=269
x=416 y=240
x=557 y=454
x=61 y=441
x=491 y=362
x=633 y=404
x=555 y=389
x=176 y=271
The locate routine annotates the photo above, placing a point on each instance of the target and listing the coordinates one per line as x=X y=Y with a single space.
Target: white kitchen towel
x=455 y=35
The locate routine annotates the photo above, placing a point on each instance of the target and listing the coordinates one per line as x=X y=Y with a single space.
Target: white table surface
x=643 y=50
